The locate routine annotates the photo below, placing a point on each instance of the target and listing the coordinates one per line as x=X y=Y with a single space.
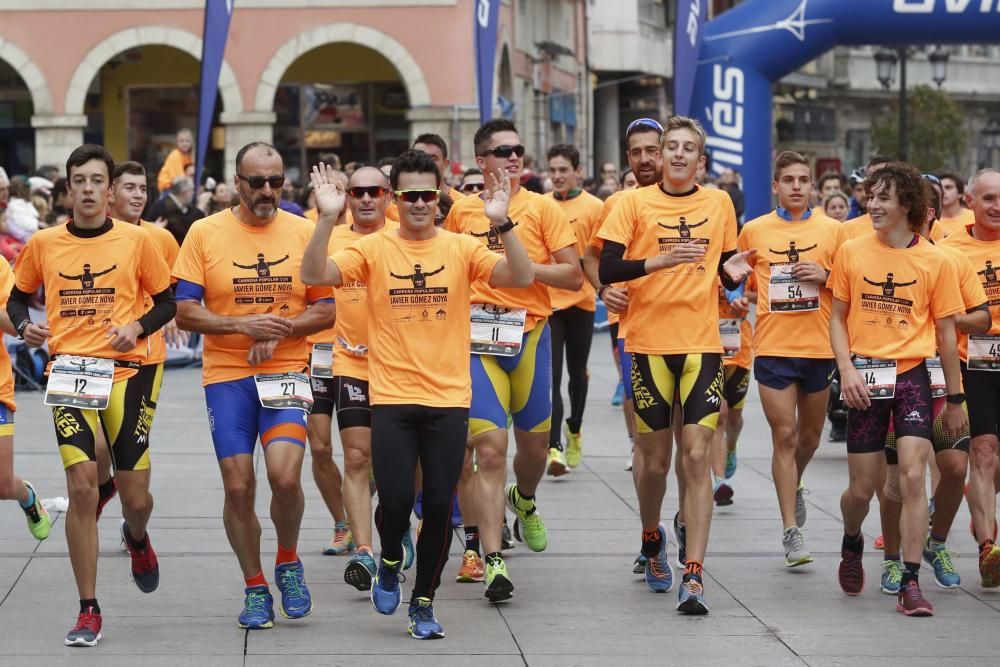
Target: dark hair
x=621 y=181
x=386 y=161
x=413 y=161
x=268 y=150
x=841 y=181
x=84 y=154
x=880 y=159
x=483 y=135
x=59 y=186
x=933 y=193
x=909 y=186
x=472 y=172
x=131 y=168
x=567 y=151
x=959 y=183
x=708 y=161
x=47 y=171
x=787 y=159
x=432 y=140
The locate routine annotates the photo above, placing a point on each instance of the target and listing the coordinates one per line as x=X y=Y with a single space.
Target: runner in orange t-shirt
x=177 y=161
x=96 y=272
x=419 y=281
x=238 y=285
x=513 y=375
x=437 y=148
x=954 y=215
x=682 y=240
x=736 y=333
x=893 y=293
x=572 y=321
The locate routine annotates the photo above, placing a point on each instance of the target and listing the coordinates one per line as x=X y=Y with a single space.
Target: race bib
x=786 y=294
x=497 y=330
x=321 y=365
x=729 y=330
x=984 y=352
x=879 y=375
x=284 y=390
x=80 y=382
x=936 y=374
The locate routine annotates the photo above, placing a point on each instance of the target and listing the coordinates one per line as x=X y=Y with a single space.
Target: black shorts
x=782 y=372
x=695 y=379
x=347 y=396
x=735 y=386
x=983 y=391
x=613 y=330
x=939 y=439
x=909 y=412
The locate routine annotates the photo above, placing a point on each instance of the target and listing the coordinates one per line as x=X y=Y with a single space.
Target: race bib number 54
x=786 y=294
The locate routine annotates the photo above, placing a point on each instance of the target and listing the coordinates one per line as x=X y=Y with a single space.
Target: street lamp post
x=885 y=69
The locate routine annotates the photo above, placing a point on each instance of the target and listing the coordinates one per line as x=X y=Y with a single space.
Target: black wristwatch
x=505 y=227
x=956 y=399
x=22 y=326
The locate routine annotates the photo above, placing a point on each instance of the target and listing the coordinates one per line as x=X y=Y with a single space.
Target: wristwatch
x=505 y=227
x=22 y=326
x=956 y=399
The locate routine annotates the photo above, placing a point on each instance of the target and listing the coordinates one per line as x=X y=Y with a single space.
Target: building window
x=653 y=12
x=805 y=123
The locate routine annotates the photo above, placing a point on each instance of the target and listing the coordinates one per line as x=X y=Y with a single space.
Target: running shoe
x=409 y=552
x=639 y=565
x=87 y=631
x=680 y=534
x=360 y=570
x=931 y=507
x=691 y=598
x=628 y=464
x=506 y=539
x=892 y=577
x=851 y=573
x=574 y=447
x=258 y=609
x=39 y=522
x=471 y=569
x=498 y=583
x=937 y=556
x=659 y=576
x=730 y=464
x=723 y=494
x=838 y=431
x=145 y=569
x=102 y=499
x=880 y=542
x=989 y=565
x=386 y=595
x=290 y=578
x=911 y=601
x=555 y=464
x=342 y=541
x=423 y=625
x=456 y=513
x=800 y=505
x=795 y=548
x=528 y=525
x=619 y=396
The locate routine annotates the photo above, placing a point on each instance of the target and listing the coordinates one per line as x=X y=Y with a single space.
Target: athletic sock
x=692 y=568
x=891 y=557
x=90 y=604
x=651 y=540
x=30 y=502
x=107 y=489
x=472 y=538
x=134 y=543
x=854 y=543
x=556 y=445
x=937 y=539
x=911 y=572
x=256 y=580
x=286 y=555
x=494 y=557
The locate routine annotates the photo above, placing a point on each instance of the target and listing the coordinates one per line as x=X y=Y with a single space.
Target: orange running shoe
x=880 y=542
x=472 y=568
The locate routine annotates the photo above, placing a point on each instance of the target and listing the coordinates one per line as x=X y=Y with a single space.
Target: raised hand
x=329 y=190
x=738 y=266
x=497 y=197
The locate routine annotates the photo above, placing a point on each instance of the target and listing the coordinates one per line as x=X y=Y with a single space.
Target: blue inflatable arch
x=748 y=48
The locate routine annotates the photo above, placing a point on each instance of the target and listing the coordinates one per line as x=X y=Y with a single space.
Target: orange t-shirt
x=6 y=374
x=173 y=167
x=894 y=296
x=312 y=215
x=92 y=284
x=418 y=313
x=983 y=257
x=857 y=227
x=584 y=215
x=351 y=326
x=169 y=249
x=245 y=271
x=949 y=226
x=673 y=311
x=743 y=358
x=543 y=230
x=780 y=243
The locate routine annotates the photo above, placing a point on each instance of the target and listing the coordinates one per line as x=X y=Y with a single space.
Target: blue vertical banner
x=687 y=44
x=213 y=48
x=487 y=18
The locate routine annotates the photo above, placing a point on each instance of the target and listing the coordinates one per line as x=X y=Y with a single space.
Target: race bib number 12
x=80 y=382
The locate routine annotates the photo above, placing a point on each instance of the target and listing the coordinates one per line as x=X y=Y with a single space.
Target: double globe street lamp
x=886 y=60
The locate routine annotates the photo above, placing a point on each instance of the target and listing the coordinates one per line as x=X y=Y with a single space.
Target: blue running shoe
x=258 y=609
x=409 y=553
x=639 y=565
x=730 y=464
x=619 y=396
x=386 y=595
x=691 y=599
x=456 y=514
x=423 y=625
x=291 y=581
x=418 y=505
x=937 y=555
x=659 y=576
x=360 y=570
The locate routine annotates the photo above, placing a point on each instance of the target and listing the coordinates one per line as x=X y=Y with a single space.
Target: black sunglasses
x=505 y=151
x=473 y=187
x=373 y=191
x=257 y=182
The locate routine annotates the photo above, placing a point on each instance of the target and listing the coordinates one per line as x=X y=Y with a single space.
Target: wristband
x=600 y=291
x=956 y=399
x=22 y=326
x=505 y=227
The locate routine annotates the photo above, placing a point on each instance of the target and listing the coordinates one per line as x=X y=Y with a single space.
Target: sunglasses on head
x=413 y=196
x=505 y=151
x=257 y=182
x=373 y=191
x=932 y=178
x=643 y=123
x=473 y=187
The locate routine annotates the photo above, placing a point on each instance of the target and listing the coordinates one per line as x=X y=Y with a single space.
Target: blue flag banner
x=687 y=42
x=213 y=48
x=487 y=18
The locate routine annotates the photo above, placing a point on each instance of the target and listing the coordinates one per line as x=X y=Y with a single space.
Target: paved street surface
x=576 y=603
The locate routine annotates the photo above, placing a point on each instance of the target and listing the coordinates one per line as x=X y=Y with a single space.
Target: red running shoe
x=911 y=601
x=852 y=572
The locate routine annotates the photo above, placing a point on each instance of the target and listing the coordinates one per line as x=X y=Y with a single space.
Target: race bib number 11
x=497 y=330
